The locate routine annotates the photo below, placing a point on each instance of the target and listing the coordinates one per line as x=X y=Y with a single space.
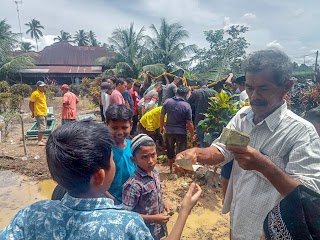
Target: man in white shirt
x=106 y=90
x=284 y=150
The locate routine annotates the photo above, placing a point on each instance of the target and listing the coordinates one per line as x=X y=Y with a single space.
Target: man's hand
x=191 y=197
x=248 y=157
x=161 y=218
x=190 y=154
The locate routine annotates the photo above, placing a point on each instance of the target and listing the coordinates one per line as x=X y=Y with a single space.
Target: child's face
x=146 y=158
x=120 y=130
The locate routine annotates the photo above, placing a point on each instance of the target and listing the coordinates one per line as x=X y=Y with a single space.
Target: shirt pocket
x=149 y=199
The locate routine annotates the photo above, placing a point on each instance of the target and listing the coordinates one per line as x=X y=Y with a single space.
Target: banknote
x=234 y=137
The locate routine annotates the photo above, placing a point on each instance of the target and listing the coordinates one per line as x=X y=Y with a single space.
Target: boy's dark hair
x=119 y=112
x=183 y=91
x=137 y=84
x=313 y=115
x=75 y=151
x=129 y=80
x=240 y=80
x=119 y=81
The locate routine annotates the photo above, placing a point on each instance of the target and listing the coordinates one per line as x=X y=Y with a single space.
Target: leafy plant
x=222 y=108
x=23 y=90
x=310 y=98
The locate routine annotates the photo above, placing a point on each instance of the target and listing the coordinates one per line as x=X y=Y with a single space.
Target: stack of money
x=234 y=138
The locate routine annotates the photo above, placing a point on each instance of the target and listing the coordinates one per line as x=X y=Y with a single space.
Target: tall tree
x=167 y=46
x=26 y=46
x=64 y=37
x=81 y=38
x=226 y=52
x=130 y=48
x=34 y=30
x=93 y=39
x=7 y=40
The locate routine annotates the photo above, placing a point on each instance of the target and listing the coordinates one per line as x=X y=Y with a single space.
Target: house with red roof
x=66 y=63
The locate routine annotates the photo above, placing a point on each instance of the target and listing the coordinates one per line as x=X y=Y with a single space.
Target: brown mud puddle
x=18 y=191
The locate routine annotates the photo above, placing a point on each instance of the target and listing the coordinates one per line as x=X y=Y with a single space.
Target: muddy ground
x=32 y=175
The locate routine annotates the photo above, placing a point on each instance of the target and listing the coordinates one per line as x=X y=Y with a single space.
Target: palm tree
x=26 y=46
x=9 y=64
x=130 y=48
x=81 y=38
x=93 y=39
x=34 y=30
x=64 y=37
x=167 y=43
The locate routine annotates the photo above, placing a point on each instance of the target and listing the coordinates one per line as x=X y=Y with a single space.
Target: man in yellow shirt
x=38 y=107
x=150 y=123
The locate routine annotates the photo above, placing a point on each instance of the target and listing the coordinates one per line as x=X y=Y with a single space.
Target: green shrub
x=22 y=90
x=4 y=86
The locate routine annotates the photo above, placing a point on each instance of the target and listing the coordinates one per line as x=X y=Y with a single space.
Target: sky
x=291 y=26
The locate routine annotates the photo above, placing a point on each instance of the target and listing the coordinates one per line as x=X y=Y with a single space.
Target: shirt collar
x=179 y=99
x=143 y=173
x=88 y=204
x=272 y=121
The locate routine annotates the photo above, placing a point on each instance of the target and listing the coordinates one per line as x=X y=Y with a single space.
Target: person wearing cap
x=142 y=191
x=69 y=105
x=38 y=108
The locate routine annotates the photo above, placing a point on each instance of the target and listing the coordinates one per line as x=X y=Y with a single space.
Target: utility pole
x=316 y=68
x=19 y=2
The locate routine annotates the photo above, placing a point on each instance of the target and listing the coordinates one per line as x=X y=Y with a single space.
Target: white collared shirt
x=286 y=139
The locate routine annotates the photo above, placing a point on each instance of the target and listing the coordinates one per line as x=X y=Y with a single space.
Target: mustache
x=258 y=102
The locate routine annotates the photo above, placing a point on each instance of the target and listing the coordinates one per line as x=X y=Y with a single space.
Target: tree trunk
x=37 y=44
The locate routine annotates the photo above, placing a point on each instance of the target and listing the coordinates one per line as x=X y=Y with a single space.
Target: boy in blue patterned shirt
x=142 y=192
x=80 y=159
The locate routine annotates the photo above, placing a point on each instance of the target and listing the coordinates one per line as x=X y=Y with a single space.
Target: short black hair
x=129 y=80
x=118 y=112
x=313 y=115
x=203 y=82
x=75 y=151
x=183 y=91
x=137 y=84
x=119 y=81
x=240 y=80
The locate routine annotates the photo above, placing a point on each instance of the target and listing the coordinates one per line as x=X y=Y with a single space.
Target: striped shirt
x=291 y=143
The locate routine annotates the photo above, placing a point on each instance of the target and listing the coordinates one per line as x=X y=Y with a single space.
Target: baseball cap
x=40 y=84
x=64 y=86
x=106 y=85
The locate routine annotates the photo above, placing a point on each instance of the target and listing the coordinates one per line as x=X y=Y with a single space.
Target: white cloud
x=274 y=44
x=248 y=17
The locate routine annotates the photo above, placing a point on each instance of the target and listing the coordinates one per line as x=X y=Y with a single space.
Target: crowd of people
x=109 y=186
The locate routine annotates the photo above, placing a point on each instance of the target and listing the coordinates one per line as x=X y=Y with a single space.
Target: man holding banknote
x=283 y=152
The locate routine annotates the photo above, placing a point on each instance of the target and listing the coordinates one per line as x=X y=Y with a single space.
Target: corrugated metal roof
x=63 y=53
x=63 y=69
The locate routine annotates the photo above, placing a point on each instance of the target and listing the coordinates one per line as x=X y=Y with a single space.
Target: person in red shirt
x=69 y=104
x=134 y=91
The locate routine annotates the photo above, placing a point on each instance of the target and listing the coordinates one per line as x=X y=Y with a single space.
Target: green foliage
x=4 y=86
x=167 y=46
x=222 y=108
x=9 y=118
x=21 y=89
x=310 y=98
x=52 y=91
x=226 y=52
x=26 y=47
x=81 y=38
x=63 y=37
x=34 y=30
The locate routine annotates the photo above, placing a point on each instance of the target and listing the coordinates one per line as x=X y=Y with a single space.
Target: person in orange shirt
x=69 y=105
x=38 y=108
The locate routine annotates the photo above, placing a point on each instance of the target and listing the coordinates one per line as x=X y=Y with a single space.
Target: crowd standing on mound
x=109 y=187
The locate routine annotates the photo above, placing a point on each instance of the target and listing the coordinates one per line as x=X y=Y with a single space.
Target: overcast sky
x=292 y=26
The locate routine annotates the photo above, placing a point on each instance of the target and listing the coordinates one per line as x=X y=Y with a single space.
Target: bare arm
x=188 y=203
x=156 y=218
x=190 y=128
x=31 y=106
x=230 y=83
x=166 y=78
x=209 y=155
x=278 y=178
x=162 y=123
